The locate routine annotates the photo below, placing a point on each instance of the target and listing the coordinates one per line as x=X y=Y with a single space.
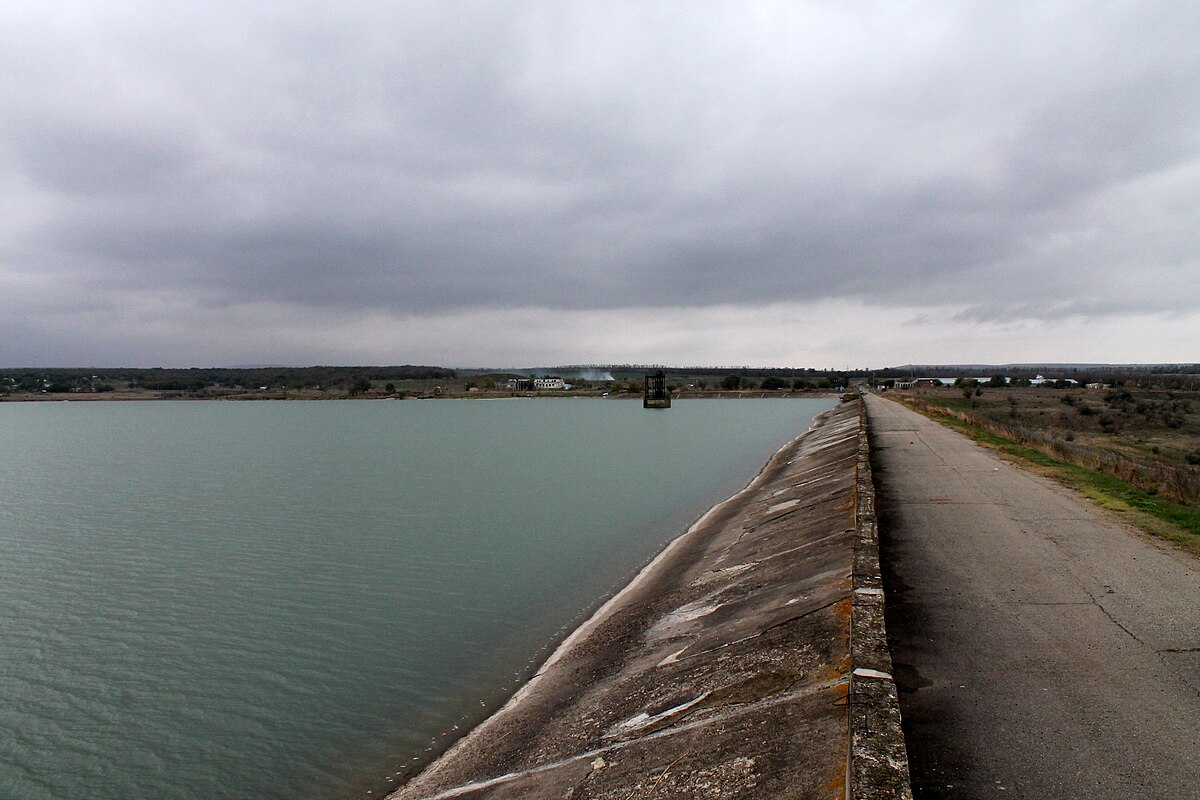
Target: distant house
x=535 y=384
x=1039 y=381
x=921 y=383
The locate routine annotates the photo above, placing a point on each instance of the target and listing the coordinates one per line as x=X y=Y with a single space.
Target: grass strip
x=1174 y=522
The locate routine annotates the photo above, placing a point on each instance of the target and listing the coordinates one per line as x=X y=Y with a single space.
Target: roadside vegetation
x=1132 y=450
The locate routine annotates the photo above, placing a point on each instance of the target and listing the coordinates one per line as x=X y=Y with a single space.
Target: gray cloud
x=1018 y=159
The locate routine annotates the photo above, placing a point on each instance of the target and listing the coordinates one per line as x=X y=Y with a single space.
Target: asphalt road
x=1042 y=648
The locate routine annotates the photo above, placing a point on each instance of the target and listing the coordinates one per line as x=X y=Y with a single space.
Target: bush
x=1118 y=397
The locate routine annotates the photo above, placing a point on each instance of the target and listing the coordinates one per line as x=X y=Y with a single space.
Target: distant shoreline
x=306 y=395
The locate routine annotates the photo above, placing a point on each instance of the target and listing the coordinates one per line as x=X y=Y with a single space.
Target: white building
x=1039 y=380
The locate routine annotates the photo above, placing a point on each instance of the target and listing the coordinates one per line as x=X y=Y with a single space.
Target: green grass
x=1174 y=522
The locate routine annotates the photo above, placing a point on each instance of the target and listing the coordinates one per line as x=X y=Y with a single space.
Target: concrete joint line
x=764 y=631
x=877 y=761
x=738 y=710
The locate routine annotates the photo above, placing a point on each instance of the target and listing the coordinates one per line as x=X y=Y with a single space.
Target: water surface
x=228 y=600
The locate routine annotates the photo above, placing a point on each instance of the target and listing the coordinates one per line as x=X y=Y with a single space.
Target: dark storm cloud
x=422 y=156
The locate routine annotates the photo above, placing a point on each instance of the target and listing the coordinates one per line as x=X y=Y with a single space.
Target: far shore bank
x=99 y=397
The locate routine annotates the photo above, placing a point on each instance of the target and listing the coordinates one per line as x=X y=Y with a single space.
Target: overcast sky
x=520 y=183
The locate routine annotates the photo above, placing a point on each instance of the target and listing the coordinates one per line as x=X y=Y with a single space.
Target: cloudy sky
x=522 y=183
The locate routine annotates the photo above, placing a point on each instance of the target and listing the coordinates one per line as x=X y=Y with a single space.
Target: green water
x=294 y=600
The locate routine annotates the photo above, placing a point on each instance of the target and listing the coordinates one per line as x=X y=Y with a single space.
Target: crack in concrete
x=1096 y=602
x=1057 y=603
x=1161 y=655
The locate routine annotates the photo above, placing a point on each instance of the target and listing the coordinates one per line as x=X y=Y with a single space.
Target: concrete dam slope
x=1042 y=648
x=747 y=661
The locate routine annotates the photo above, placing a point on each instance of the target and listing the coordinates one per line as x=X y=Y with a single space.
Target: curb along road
x=878 y=757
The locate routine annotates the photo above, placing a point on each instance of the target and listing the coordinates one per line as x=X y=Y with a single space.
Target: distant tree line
x=734 y=381
x=198 y=379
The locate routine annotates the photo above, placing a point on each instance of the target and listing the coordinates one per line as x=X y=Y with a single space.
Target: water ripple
x=293 y=600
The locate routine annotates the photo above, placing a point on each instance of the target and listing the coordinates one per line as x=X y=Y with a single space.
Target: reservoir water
x=294 y=600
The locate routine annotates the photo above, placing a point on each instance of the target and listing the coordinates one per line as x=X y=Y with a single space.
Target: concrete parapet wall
x=878 y=757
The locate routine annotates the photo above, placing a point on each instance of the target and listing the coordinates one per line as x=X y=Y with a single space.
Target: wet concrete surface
x=722 y=671
x=1042 y=648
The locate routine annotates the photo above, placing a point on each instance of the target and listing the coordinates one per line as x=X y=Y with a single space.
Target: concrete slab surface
x=1042 y=648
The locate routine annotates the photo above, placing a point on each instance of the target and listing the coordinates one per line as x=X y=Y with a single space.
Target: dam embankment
x=748 y=660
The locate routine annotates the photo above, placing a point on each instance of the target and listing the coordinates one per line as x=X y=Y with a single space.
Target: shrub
x=1118 y=397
